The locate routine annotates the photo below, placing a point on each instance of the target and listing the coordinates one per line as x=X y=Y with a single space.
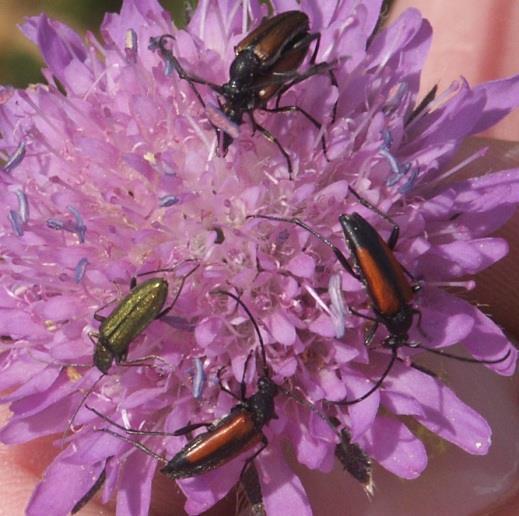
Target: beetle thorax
x=399 y=323
x=244 y=70
x=261 y=404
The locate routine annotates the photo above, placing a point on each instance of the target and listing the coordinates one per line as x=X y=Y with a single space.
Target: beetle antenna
x=463 y=359
x=78 y=408
x=377 y=385
x=254 y=323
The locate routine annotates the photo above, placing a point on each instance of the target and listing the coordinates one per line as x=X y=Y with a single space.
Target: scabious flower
x=112 y=169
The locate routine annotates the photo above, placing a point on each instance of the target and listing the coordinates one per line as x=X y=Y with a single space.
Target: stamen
x=80 y=228
x=467 y=285
x=23 y=205
x=199 y=378
x=337 y=309
x=15 y=158
x=410 y=183
x=318 y=299
x=131 y=46
x=16 y=222
x=396 y=98
x=79 y=271
x=397 y=169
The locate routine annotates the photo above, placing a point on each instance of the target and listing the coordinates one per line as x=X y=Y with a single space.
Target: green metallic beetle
x=131 y=316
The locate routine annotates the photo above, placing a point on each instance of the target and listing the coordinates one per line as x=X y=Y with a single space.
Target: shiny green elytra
x=131 y=316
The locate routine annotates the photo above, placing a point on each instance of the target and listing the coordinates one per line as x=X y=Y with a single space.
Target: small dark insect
x=265 y=66
x=387 y=283
x=134 y=313
x=225 y=438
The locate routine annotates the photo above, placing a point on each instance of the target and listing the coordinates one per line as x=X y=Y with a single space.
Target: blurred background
x=20 y=61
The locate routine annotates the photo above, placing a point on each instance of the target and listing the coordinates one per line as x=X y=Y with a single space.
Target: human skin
x=473 y=39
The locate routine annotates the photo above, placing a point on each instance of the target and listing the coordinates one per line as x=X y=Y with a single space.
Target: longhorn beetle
x=134 y=313
x=225 y=438
x=386 y=281
x=265 y=66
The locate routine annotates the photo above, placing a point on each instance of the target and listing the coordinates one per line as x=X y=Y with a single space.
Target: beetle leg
x=289 y=79
x=243 y=385
x=378 y=383
x=171 y=60
x=334 y=82
x=317 y=37
x=252 y=490
x=464 y=359
x=139 y=362
x=395 y=231
x=420 y=368
x=167 y=269
x=57 y=362
x=292 y=109
x=223 y=387
x=135 y=444
x=189 y=428
x=264 y=444
x=298 y=222
x=333 y=79
x=271 y=138
x=419 y=323
x=98 y=317
x=373 y=329
x=81 y=403
x=370 y=334
x=179 y=291
x=133 y=431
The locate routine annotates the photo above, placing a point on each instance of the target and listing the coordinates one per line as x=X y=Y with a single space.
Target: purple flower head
x=122 y=175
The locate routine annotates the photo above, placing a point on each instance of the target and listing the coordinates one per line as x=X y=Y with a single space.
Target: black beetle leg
x=94 y=336
x=101 y=318
x=373 y=329
x=264 y=444
x=135 y=444
x=333 y=79
x=334 y=82
x=377 y=384
x=223 y=387
x=292 y=78
x=141 y=361
x=124 y=429
x=243 y=385
x=292 y=109
x=298 y=222
x=271 y=138
x=419 y=323
x=179 y=291
x=317 y=37
x=189 y=428
x=370 y=334
x=395 y=231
